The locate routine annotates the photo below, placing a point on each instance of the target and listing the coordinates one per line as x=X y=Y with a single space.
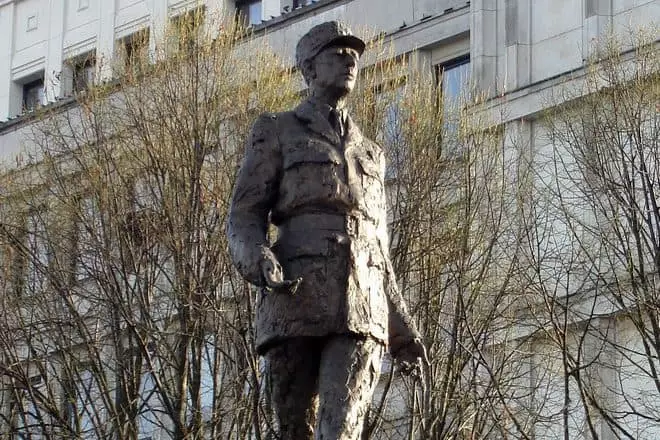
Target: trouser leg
x=348 y=374
x=293 y=368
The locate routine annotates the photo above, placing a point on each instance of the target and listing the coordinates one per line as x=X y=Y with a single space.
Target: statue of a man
x=330 y=305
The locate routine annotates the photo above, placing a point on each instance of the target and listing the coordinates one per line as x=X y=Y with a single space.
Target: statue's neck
x=334 y=101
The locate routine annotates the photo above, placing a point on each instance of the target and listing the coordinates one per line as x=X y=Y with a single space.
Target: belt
x=346 y=223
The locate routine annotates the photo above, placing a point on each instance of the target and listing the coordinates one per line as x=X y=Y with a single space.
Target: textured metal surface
x=323 y=385
x=328 y=197
x=323 y=187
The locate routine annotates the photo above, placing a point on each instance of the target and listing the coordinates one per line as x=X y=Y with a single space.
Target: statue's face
x=335 y=69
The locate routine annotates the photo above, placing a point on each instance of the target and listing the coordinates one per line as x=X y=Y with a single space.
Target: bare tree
x=531 y=269
x=122 y=315
x=455 y=242
x=592 y=258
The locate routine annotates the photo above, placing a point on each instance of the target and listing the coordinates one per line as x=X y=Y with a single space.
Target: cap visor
x=349 y=41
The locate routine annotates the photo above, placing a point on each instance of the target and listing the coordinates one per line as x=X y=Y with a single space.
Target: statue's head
x=327 y=56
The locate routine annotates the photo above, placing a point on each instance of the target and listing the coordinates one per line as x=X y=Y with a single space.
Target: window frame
x=244 y=9
x=89 y=226
x=454 y=63
x=81 y=71
x=24 y=409
x=33 y=94
x=188 y=23
x=133 y=50
x=75 y=400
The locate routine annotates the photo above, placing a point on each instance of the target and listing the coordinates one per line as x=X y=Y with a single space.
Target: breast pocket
x=311 y=177
x=310 y=153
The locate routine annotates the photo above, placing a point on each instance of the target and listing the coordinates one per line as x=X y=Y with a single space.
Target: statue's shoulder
x=274 y=119
x=264 y=127
x=268 y=126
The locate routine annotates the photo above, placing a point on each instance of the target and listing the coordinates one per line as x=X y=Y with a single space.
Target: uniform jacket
x=326 y=195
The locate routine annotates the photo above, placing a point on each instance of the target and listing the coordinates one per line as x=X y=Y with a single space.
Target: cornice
x=286 y=19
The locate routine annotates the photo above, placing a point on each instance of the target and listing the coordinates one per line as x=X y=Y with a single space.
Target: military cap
x=323 y=35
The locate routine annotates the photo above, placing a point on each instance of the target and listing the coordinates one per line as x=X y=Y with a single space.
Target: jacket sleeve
x=255 y=192
x=401 y=327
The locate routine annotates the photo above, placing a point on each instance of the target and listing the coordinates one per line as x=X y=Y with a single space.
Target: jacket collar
x=316 y=119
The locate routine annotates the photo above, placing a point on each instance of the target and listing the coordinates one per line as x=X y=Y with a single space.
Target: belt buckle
x=351 y=225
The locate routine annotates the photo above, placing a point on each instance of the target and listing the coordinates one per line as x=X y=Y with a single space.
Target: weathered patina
x=327 y=281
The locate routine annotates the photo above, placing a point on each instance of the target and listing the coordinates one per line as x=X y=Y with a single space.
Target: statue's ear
x=309 y=71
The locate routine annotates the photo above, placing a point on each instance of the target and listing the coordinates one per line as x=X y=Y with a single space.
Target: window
x=81 y=72
x=391 y=129
x=28 y=419
x=34 y=94
x=142 y=220
x=85 y=404
x=150 y=417
x=87 y=238
x=184 y=30
x=37 y=254
x=454 y=78
x=249 y=11
x=205 y=366
x=151 y=413
x=291 y=5
x=208 y=380
x=134 y=51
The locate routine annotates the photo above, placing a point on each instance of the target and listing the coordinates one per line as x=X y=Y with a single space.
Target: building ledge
x=297 y=14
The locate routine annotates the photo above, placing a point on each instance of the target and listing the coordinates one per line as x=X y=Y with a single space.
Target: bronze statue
x=330 y=305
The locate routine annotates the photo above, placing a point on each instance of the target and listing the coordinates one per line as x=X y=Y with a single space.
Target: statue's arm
x=402 y=331
x=401 y=328
x=254 y=195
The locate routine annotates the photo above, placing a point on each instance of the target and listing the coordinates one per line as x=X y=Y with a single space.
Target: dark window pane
x=34 y=95
x=250 y=12
x=455 y=81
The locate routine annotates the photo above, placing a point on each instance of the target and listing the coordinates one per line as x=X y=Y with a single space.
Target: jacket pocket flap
x=301 y=245
x=309 y=153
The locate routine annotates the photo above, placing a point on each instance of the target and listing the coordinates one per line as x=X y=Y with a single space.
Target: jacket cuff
x=401 y=332
x=250 y=268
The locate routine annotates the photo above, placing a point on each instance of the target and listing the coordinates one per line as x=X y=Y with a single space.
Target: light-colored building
x=517 y=52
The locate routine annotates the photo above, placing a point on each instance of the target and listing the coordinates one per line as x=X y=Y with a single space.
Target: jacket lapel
x=353 y=138
x=309 y=115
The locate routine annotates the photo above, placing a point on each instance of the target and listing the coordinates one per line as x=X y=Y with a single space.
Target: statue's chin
x=345 y=89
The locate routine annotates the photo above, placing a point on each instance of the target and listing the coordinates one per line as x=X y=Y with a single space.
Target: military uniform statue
x=330 y=305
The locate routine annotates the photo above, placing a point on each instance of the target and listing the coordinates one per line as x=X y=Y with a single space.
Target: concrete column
x=105 y=41
x=217 y=11
x=518 y=43
x=7 y=88
x=53 y=69
x=597 y=22
x=483 y=45
x=518 y=149
x=601 y=359
x=270 y=8
x=157 y=34
x=423 y=61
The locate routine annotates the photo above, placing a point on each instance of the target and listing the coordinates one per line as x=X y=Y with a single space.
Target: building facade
x=517 y=53
x=514 y=48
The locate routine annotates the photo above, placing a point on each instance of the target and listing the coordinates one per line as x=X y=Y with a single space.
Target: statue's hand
x=274 y=276
x=412 y=357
